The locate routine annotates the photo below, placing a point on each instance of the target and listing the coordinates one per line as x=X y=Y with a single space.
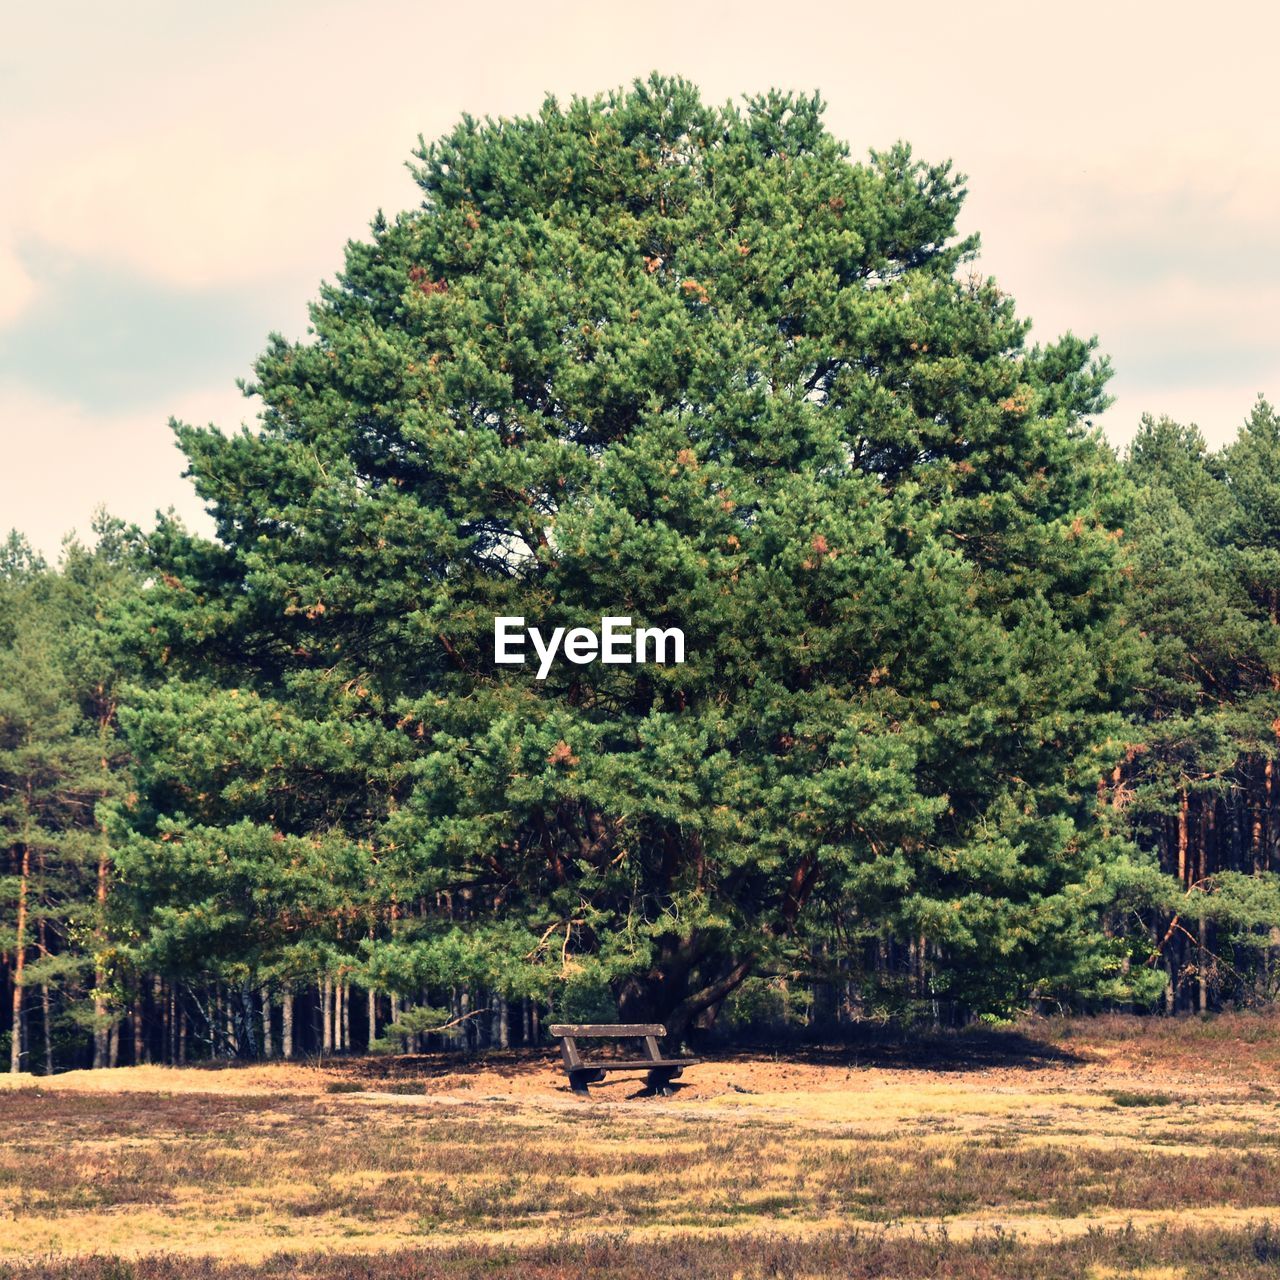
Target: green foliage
x=1133 y=1098
x=419 y=1020
x=59 y=760
x=1196 y=787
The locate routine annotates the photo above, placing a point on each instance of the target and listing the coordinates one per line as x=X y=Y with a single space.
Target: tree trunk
x=17 y=1043
x=101 y=1029
x=1202 y=969
x=1202 y=965
x=1257 y=852
x=373 y=1018
x=1183 y=806
x=139 y=1040
x=1268 y=788
x=504 y=1023
x=171 y=1023
x=46 y=1004
x=286 y=1025
x=325 y=988
x=247 y=1018
x=264 y=1001
x=681 y=986
x=46 y=1010
x=103 y=1052
x=230 y=1038
x=1268 y=794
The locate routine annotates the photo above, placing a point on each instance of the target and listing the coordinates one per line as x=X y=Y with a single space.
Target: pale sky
x=175 y=180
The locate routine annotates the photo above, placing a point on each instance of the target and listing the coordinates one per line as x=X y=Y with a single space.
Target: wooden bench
x=661 y=1071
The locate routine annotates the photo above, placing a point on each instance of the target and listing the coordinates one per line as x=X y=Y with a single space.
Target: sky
x=177 y=179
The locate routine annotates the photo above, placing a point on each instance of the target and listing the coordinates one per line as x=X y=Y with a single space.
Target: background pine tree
x=59 y=761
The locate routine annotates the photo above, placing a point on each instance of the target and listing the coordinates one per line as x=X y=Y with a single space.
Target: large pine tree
x=641 y=356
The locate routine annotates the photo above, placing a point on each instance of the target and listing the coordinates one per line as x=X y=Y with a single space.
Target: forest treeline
x=975 y=714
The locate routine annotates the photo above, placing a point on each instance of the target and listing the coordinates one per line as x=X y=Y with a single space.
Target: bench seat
x=638 y=1064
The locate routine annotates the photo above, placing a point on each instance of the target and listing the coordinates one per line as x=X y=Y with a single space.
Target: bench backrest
x=601 y=1030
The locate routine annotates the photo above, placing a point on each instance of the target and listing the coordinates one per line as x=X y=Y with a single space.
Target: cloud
x=110 y=339
x=16 y=286
x=192 y=206
x=1172 y=259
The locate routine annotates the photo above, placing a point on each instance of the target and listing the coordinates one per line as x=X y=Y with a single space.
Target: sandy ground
x=835 y=1086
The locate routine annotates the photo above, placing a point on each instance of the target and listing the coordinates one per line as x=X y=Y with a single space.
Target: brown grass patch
x=496 y=1155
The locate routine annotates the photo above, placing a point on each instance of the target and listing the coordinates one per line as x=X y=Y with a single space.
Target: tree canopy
x=639 y=355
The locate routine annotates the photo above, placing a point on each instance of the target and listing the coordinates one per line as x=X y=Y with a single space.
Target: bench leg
x=660 y=1079
x=579 y=1079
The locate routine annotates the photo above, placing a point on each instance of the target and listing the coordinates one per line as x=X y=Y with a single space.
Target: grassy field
x=1098 y=1149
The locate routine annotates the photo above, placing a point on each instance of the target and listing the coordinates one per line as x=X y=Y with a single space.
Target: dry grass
x=1087 y=1155
x=1210 y=1254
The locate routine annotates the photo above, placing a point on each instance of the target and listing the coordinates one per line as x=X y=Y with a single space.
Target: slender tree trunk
x=246 y=1005
x=102 y=1051
x=1268 y=787
x=1177 y=947
x=229 y=1025
x=46 y=1003
x=325 y=988
x=504 y=1023
x=1183 y=806
x=264 y=1002
x=1202 y=966
x=159 y=1012
x=1256 y=849
x=140 y=1054
x=373 y=1017
x=286 y=1025
x=17 y=1043
x=344 y=996
x=101 y=1030
x=1269 y=827
x=113 y=1045
x=46 y=1018
x=171 y=1023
